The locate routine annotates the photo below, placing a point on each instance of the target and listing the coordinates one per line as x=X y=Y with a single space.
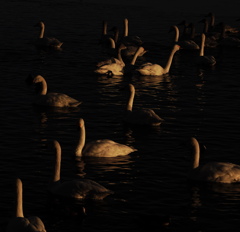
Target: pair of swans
x=139 y=116
x=99 y=148
x=217 y=172
x=151 y=69
x=43 y=98
x=19 y=222
x=79 y=189
x=116 y=66
x=44 y=42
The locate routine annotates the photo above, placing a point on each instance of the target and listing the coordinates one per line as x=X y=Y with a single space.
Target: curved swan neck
x=19 y=203
x=119 y=56
x=137 y=53
x=176 y=33
x=196 y=153
x=42 y=26
x=44 y=85
x=112 y=43
x=82 y=138
x=170 y=59
x=57 y=167
x=202 y=44
x=131 y=97
x=205 y=28
x=125 y=32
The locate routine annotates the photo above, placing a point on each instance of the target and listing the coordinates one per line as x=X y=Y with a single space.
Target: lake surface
x=152 y=181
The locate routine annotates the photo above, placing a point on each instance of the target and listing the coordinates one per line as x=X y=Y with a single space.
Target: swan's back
x=106 y=148
x=149 y=69
x=219 y=172
x=81 y=189
x=115 y=68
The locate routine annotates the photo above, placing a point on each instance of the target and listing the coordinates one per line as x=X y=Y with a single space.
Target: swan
x=218 y=172
x=140 y=116
x=150 y=69
x=188 y=44
x=44 y=42
x=79 y=189
x=52 y=99
x=101 y=147
x=21 y=223
x=202 y=59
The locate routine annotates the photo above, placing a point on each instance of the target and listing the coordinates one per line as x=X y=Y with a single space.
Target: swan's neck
x=176 y=34
x=192 y=32
x=205 y=29
x=116 y=35
x=104 y=28
x=137 y=53
x=81 y=142
x=57 y=167
x=41 y=35
x=44 y=87
x=119 y=55
x=131 y=98
x=212 y=21
x=202 y=45
x=19 y=203
x=125 y=33
x=112 y=43
x=170 y=59
x=196 y=153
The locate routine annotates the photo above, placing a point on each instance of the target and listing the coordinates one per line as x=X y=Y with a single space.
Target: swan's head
x=131 y=88
x=173 y=28
x=38 y=79
x=39 y=24
x=176 y=47
x=81 y=123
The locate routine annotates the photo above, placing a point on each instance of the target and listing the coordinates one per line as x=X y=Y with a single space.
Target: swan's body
x=44 y=42
x=79 y=189
x=52 y=99
x=19 y=222
x=218 y=172
x=100 y=148
x=150 y=69
x=202 y=59
x=140 y=116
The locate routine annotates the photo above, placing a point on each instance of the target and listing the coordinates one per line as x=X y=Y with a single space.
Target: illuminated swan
x=52 y=99
x=218 y=172
x=101 y=147
x=44 y=42
x=150 y=69
x=79 y=189
x=202 y=59
x=21 y=223
x=140 y=116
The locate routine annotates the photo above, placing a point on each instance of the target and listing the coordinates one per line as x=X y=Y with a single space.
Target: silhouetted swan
x=150 y=69
x=79 y=189
x=202 y=59
x=139 y=116
x=19 y=222
x=52 y=99
x=44 y=42
x=218 y=172
x=101 y=147
x=187 y=44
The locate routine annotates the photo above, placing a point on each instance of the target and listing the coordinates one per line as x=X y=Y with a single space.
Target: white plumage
x=52 y=99
x=101 y=147
x=19 y=222
x=218 y=172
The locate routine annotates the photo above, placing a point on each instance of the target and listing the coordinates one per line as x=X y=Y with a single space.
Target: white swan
x=21 y=223
x=150 y=69
x=52 y=99
x=184 y=44
x=101 y=147
x=79 y=189
x=202 y=59
x=44 y=42
x=218 y=172
x=139 y=116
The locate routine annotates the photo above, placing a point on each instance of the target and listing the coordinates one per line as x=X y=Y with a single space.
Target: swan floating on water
x=218 y=172
x=44 y=42
x=79 y=189
x=150 y=69
x=52 y=99
x=139 y=116
x=101 y=147
x=21 y=223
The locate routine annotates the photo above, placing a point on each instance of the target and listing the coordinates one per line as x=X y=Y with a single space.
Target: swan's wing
x=106 y=148
x=36 y=224
x=60 y=100
x=220 y=172
x=115 y=68
x=149 y=69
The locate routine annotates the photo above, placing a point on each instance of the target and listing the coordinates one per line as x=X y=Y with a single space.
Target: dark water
x=194 y=102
